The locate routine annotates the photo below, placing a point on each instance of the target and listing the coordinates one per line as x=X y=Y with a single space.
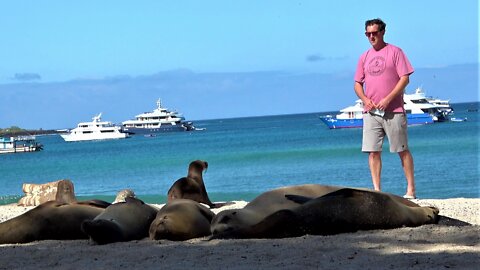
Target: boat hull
x=22 y=149
x=412 y=120
x=92 y=137
x=143 y=131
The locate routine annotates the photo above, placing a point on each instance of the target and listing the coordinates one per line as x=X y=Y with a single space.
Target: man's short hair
x=378 y=21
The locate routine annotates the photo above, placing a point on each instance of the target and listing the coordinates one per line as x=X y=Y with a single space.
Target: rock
x=35 y=194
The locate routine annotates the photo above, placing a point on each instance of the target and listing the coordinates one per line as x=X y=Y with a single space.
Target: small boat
x=94 y=130
x=455 y=119
x=19 y=144
x=157 y=121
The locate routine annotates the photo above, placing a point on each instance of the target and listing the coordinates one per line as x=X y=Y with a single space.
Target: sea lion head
x=161 y=228
x=180 y=220
x=174 y=227
x=228 y=223
x=102 y=231
x=198 y=165
x=65 y=191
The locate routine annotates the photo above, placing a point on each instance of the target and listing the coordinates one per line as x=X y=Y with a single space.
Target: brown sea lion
x=192 y=187
x=50 y=220
x=264 y=205
x=180 y=220
x=120 y=222
x=344 y=210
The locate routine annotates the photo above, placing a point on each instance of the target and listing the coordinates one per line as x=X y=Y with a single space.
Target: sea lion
x=50 y=220
x=344 y=210
x=264 y=205
x=180 y=220
x=192 y=187
x=350 y=210
x=124 y=221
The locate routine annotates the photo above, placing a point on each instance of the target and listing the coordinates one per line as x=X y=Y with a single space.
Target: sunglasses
x=370 y=34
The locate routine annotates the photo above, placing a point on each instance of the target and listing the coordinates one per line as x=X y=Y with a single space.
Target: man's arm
x=367 y=103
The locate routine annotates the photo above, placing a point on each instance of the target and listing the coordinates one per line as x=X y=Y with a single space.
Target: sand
x=424 y=247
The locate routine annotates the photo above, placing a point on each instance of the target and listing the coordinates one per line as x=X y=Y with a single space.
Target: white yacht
x=439 y=109
x=94 y=130
x=157 y=121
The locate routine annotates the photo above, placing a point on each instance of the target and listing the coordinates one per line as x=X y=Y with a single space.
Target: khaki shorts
x=394 y=125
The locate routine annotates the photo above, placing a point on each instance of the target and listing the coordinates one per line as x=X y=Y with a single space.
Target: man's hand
x=368 y=105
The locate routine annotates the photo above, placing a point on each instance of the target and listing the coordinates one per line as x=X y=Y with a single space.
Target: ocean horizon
x=250 y=155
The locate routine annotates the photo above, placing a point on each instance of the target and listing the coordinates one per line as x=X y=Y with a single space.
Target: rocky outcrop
x=35 y=194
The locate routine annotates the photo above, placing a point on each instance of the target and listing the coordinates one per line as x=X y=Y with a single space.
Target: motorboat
x=455 y=119
x=157 y=121
x=94 y=130
x=19 y=144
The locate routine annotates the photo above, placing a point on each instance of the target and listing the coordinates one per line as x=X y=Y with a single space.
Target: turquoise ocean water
x=248 y=156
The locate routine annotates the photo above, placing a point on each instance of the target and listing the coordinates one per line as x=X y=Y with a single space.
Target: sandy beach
x=442 y=246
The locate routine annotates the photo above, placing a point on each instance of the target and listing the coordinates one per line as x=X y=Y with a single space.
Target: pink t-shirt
x=379 y=72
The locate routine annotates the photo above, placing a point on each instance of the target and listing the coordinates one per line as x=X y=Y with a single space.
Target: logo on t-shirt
x=376 y=66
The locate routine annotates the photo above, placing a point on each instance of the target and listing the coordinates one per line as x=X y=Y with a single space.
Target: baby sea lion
x=180 y=220
x=120 y=222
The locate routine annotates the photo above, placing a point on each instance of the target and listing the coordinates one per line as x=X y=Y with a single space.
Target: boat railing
x=24 y=138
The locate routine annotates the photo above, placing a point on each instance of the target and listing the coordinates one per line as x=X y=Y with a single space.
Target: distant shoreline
x=34 y=132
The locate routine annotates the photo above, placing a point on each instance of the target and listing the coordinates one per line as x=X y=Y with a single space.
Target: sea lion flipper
x=209 y=215
x=221 y=204
x=304 y=199
x=298 y=198
x=346 y=192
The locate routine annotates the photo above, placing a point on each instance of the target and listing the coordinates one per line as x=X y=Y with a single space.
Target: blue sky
x=63 y=44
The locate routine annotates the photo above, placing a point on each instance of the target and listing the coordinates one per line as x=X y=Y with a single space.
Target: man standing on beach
x=380 y=79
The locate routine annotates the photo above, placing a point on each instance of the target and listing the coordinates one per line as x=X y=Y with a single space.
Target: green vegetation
x=17 y=131
x=13 y=131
